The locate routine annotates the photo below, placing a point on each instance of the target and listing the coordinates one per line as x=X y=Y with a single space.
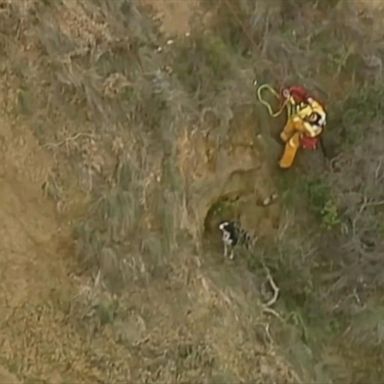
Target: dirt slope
x=174 y=15
x=186 y=323
x=36 y=340
x=41 y=339
x=181 y=317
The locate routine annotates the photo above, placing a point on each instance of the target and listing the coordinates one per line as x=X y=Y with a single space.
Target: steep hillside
x=129 y=130
x=95 y=141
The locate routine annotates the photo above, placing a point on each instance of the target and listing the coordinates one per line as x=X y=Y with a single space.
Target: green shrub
x=322 y=203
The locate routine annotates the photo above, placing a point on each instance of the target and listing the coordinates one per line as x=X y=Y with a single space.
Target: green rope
x=268 y=106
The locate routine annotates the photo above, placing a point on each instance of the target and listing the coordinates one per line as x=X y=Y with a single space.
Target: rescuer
x=305 y=124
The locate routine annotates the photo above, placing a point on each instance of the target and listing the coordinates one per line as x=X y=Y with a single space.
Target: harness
x=296 y=100
x=309 y=143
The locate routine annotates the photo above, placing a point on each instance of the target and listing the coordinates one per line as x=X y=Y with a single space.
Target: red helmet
x=299 y=94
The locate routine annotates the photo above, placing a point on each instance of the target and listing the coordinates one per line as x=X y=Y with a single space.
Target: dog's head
x=223 y=226
x=228 y=229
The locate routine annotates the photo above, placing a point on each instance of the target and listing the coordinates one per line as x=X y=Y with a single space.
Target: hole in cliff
x=223 y=208
x=241 y=199
x=226 y=206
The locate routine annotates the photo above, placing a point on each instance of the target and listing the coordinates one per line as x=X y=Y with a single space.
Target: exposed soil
x=175 y=16
x=186 y=324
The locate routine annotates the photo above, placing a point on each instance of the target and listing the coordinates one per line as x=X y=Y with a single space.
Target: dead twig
x=365 y=204
x=374 y=203
x=334 y=160
x=285 y=224
x=356 y=296
x=268 y=333
x=378 y=169
x=275 y=289
x=357 y=217
x=266 y=307
x=272 y=312
x=67 y=140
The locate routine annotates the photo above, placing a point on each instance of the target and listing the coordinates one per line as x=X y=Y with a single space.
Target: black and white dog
x=232 y=236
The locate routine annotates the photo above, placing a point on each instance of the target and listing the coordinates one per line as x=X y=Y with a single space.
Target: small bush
x=322 y=203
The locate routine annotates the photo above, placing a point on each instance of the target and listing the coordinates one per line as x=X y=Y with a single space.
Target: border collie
x=233 y=236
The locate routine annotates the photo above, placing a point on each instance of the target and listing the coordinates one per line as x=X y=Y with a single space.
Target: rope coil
x=285 y=104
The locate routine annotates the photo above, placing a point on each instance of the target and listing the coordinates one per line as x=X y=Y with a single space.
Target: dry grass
x=146 y=141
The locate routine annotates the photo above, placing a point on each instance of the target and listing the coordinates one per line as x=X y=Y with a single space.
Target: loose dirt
x=188 y=323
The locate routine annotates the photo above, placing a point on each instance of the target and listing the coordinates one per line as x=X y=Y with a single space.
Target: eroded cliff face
x=98 y=282
x=231 y=180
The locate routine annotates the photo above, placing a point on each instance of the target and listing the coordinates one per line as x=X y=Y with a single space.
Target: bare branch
x=374 y=203
x=275 y=289
x=67 y=140
x=378 y=169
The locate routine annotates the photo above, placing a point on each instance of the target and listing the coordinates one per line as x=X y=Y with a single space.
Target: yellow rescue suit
x=306 y=123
